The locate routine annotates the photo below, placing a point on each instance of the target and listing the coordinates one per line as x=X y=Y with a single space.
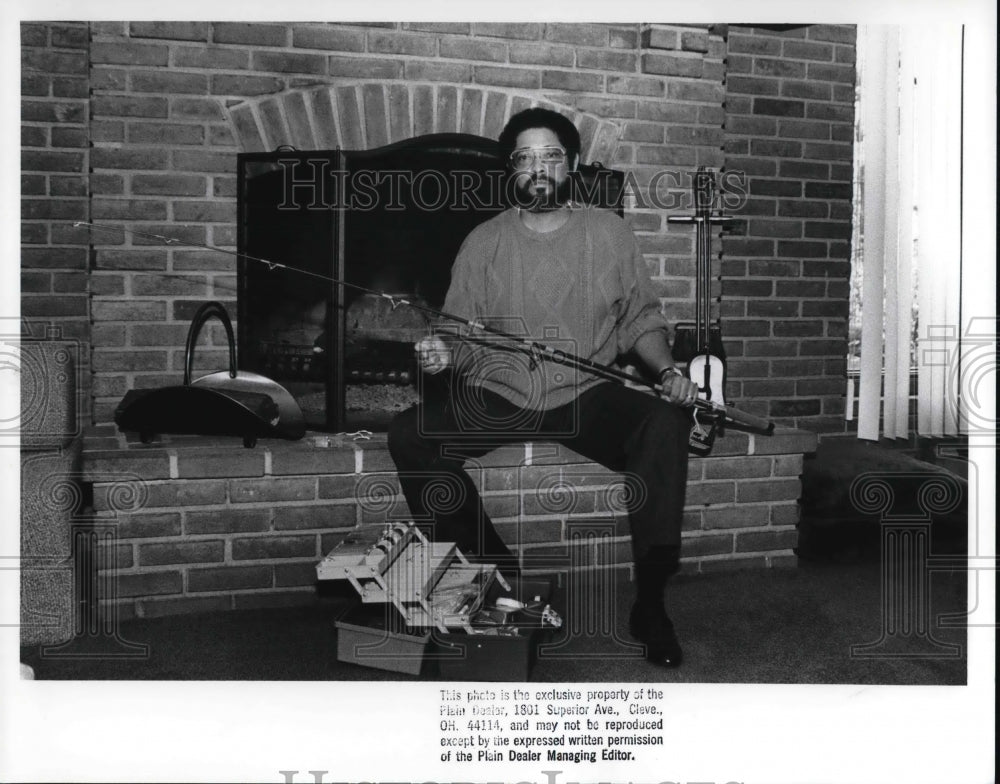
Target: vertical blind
x=911 y=147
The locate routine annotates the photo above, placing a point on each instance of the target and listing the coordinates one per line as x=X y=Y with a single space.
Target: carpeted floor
x=792 y=625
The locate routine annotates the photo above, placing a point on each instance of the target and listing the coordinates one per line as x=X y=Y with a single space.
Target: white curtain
x=911 y=148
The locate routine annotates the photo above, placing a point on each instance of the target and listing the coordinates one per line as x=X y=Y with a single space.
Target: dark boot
x=648 y=621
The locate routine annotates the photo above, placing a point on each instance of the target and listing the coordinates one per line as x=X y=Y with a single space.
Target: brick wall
x=790 y=127
x=55 y=87
x=171 y=105
x=138 y=124
x=203 y=524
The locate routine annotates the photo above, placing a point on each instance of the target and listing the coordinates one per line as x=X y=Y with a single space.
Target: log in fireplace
x=390 y=219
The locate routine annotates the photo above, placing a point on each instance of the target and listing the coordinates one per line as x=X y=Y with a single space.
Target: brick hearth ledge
x=192 y=524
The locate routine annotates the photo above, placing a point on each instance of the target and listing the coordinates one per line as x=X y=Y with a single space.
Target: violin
x=701 y=347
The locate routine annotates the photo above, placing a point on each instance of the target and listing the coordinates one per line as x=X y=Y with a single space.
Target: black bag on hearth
x=228 y=402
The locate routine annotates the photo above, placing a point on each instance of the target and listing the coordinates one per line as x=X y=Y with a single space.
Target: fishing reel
x=706 y=426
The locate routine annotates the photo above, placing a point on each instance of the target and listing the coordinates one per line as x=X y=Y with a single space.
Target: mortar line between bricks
x=784 y=553
x=741 y=556
x=173 y=539
x=575 y=569
x=133 y=571
x=250 y=505
x=701 y=533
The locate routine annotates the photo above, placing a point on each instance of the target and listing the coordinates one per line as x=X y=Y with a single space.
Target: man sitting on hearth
x=557 y=272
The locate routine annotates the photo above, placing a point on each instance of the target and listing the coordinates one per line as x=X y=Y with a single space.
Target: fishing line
x=535 y=350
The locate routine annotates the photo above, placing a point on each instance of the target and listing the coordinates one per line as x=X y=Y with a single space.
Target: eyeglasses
x=524 y=157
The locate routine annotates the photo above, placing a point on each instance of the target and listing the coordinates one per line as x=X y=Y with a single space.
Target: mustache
x=538 y=179
x=533 y=177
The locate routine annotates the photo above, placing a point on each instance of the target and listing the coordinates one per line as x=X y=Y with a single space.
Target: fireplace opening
x=390 y=220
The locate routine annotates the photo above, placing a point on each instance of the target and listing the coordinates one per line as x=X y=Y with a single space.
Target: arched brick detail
x=365 y=115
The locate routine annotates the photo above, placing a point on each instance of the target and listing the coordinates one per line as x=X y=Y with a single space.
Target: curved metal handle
x=203 y=314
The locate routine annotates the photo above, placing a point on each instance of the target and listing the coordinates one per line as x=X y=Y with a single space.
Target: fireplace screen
x=390 y=220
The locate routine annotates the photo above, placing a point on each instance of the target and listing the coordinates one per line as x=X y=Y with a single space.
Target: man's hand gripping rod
x=733 y=415
x=525 y=344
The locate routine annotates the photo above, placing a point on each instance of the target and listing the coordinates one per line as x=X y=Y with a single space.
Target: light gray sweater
x=583 y=289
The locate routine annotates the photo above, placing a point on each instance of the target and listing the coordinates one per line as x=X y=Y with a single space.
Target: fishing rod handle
x=740 y=417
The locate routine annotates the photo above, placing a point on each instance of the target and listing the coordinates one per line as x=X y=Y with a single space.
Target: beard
x=540 y=193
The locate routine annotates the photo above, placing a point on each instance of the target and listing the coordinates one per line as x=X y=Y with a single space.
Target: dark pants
x=624 y=430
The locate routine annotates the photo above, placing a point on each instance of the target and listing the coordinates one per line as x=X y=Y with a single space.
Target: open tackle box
x=425 y=603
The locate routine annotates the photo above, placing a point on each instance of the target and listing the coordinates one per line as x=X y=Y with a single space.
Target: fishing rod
x=534 y=349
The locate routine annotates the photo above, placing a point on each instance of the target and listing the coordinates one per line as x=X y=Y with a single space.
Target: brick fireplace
x=324 y=233
x=139 y=124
